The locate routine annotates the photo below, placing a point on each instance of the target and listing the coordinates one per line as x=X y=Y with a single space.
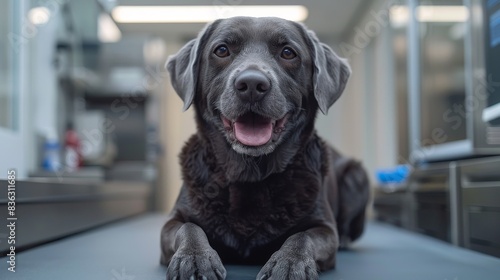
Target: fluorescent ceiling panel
x=400 y=15
x=202 y=14
x=442 y=13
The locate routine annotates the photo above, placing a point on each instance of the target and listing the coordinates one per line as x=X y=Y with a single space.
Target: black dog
x=259 y=185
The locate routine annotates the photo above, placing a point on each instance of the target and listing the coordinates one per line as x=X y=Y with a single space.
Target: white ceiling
x=328 y=18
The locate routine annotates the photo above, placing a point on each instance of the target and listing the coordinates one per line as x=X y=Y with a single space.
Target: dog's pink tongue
x=253 y=130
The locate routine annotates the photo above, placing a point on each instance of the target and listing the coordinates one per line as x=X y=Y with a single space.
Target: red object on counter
x=72 y=150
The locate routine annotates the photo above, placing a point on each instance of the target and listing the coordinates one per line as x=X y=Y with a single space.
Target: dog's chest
x=254 y=214
x=248 y=215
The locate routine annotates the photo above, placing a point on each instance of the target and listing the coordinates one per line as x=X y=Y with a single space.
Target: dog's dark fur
x=287 y=204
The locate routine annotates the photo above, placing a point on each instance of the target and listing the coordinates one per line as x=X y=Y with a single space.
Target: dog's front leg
x=186 y=251
x=302 y=255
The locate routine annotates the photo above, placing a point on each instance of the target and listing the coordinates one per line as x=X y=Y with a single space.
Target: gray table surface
x=129 y=250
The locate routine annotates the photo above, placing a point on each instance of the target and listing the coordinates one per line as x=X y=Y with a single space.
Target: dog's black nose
x=252 y=85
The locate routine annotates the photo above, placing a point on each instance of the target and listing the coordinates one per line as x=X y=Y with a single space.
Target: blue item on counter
x=395 y=175
x=51 y=157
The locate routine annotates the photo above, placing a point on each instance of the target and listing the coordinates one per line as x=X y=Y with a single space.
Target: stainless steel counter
x=456 y=201
x=51 y=208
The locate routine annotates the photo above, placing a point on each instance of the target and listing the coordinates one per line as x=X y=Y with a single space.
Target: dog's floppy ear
x=330 y=73
x=184 y=66
x=183 y=69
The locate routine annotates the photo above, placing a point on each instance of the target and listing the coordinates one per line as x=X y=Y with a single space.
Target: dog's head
x=256 y=79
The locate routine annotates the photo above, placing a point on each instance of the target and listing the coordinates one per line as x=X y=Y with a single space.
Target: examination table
x=130 y=250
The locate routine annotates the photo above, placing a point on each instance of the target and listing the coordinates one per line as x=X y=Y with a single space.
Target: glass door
x=442 y=28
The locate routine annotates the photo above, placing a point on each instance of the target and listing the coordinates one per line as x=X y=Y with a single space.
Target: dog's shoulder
x=316 y=155
x=197 y=161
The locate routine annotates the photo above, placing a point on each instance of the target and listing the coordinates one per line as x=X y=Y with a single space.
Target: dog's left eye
x=288 y=53
x=221 y=51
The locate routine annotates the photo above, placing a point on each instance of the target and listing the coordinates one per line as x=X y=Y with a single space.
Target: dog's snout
x=252 y=85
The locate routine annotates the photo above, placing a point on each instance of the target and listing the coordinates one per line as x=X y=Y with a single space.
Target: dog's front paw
x=202 y=264
x=290 y=266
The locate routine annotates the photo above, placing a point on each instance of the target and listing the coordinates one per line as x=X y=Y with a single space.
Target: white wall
x=175 y=129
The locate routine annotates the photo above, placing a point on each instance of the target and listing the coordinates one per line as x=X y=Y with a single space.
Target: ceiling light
x=39 y=15
x=431 y=13
x=442 y=13
x=201 y=14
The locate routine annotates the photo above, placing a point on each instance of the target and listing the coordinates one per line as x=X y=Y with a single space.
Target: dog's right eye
x=221 y=51
x=288 y=53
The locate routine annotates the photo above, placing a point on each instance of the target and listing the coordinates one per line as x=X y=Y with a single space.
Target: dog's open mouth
x=254 y=130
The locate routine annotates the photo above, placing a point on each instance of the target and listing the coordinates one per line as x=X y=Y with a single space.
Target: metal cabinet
x=430 y=204
x=480 y=186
